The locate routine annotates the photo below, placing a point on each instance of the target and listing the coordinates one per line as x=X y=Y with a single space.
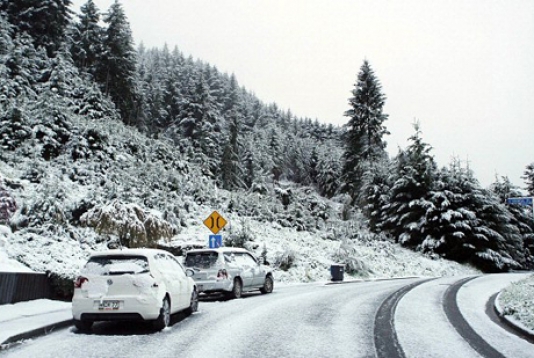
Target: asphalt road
x=392 y=318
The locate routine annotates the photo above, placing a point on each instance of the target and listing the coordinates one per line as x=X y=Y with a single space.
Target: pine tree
x=529 y=178
x=230 y=166
x=376 y=195
x=200 y=129
x=467 y=224
x=117 y=73
x=409 y=194
x=521 y=215
x=329 y=171
x=87 y=37
x=22 y=69
x=365 y=130
x=44 y=20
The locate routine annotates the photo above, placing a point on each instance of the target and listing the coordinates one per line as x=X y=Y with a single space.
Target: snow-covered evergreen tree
x=364 y=140
x=329 y=171
x=118 y=70
x=232 y=172
x=21 y=69
x=376 y=195
x=521 y=215
x=409 y=197
x=529 y=178
x=200 y=129
x=467 y=224
x=87 y=38
x=45 y=21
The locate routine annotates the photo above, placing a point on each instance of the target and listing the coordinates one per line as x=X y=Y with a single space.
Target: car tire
x=193 y=305
x=237 y=289
x=268 y=285
x=83 y=326
x=164 y=318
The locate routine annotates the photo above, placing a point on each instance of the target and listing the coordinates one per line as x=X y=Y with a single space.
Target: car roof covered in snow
x=219 y=249
x=128 y=252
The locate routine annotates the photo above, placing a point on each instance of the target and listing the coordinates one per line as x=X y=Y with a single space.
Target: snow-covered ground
x=517 y=302
x=311 y=260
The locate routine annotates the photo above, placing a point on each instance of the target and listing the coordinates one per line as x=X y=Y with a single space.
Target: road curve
x=386 y=341
x=447 y=317
x=310 y=321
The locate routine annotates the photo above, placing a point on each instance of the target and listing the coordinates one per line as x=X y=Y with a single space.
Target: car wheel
x=237 y=289
x=164 y=318
x=268 y=285
x=83 y=326
x=193 y=305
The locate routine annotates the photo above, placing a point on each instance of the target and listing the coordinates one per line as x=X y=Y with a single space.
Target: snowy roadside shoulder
x=9 y=312
x=516 y=304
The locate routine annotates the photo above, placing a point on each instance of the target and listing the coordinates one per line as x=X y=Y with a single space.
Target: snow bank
x=517 y=301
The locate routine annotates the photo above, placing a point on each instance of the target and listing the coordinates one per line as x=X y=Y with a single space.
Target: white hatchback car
x=132 y=285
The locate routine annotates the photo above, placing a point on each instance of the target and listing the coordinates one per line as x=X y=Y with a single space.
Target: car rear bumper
x=212 y=286
x=130 y=309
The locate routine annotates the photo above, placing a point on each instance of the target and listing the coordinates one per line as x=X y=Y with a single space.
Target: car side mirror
x=189 y=273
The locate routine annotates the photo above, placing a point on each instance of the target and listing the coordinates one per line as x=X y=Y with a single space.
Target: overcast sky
x=464 y=69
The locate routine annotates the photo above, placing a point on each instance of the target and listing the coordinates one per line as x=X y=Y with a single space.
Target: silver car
x=228 y=270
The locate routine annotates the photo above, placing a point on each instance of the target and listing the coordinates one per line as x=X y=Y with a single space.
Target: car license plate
x=109 y=305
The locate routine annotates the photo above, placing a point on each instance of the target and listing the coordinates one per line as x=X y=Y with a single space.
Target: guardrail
x=22 y=286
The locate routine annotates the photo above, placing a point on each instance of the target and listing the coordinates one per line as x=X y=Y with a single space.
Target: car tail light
x=79 y=281
x=222 y=274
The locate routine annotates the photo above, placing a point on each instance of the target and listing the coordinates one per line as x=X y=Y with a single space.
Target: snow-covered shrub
x=348 y=255
x=14 y=129
x=240 y=238
x=8 y=205
x=133 y=226
x=285 y=196
x=156 y=228
x=91 y=143
x=34 y=174
x=52 y=130
x=286 y=260
x=45 y=208
x=61 y=286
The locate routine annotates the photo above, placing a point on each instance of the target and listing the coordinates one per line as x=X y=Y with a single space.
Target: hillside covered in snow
x=104 y=144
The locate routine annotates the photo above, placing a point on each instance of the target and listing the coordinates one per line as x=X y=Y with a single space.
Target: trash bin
x=337 y=271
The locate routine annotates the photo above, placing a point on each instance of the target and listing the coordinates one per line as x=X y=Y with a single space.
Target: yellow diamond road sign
x=215 y=222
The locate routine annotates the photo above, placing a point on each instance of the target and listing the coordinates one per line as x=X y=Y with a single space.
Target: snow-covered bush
x=241 y=237
x=14 y=129
x=8 y=205
x=132 y=224
x=286 y=260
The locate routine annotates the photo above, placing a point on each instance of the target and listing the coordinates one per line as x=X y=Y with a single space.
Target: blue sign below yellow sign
x=215 y=241
x=520 y=201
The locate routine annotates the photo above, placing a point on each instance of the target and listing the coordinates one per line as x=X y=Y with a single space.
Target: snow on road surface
x=309 y=320
x=472 y=299
x=423 y=329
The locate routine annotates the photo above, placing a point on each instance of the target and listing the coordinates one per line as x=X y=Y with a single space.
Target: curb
x=41 y=331
x=516 y=326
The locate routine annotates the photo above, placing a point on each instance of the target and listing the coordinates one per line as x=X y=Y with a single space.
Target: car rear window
x=116 y=265
x=201 y=259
